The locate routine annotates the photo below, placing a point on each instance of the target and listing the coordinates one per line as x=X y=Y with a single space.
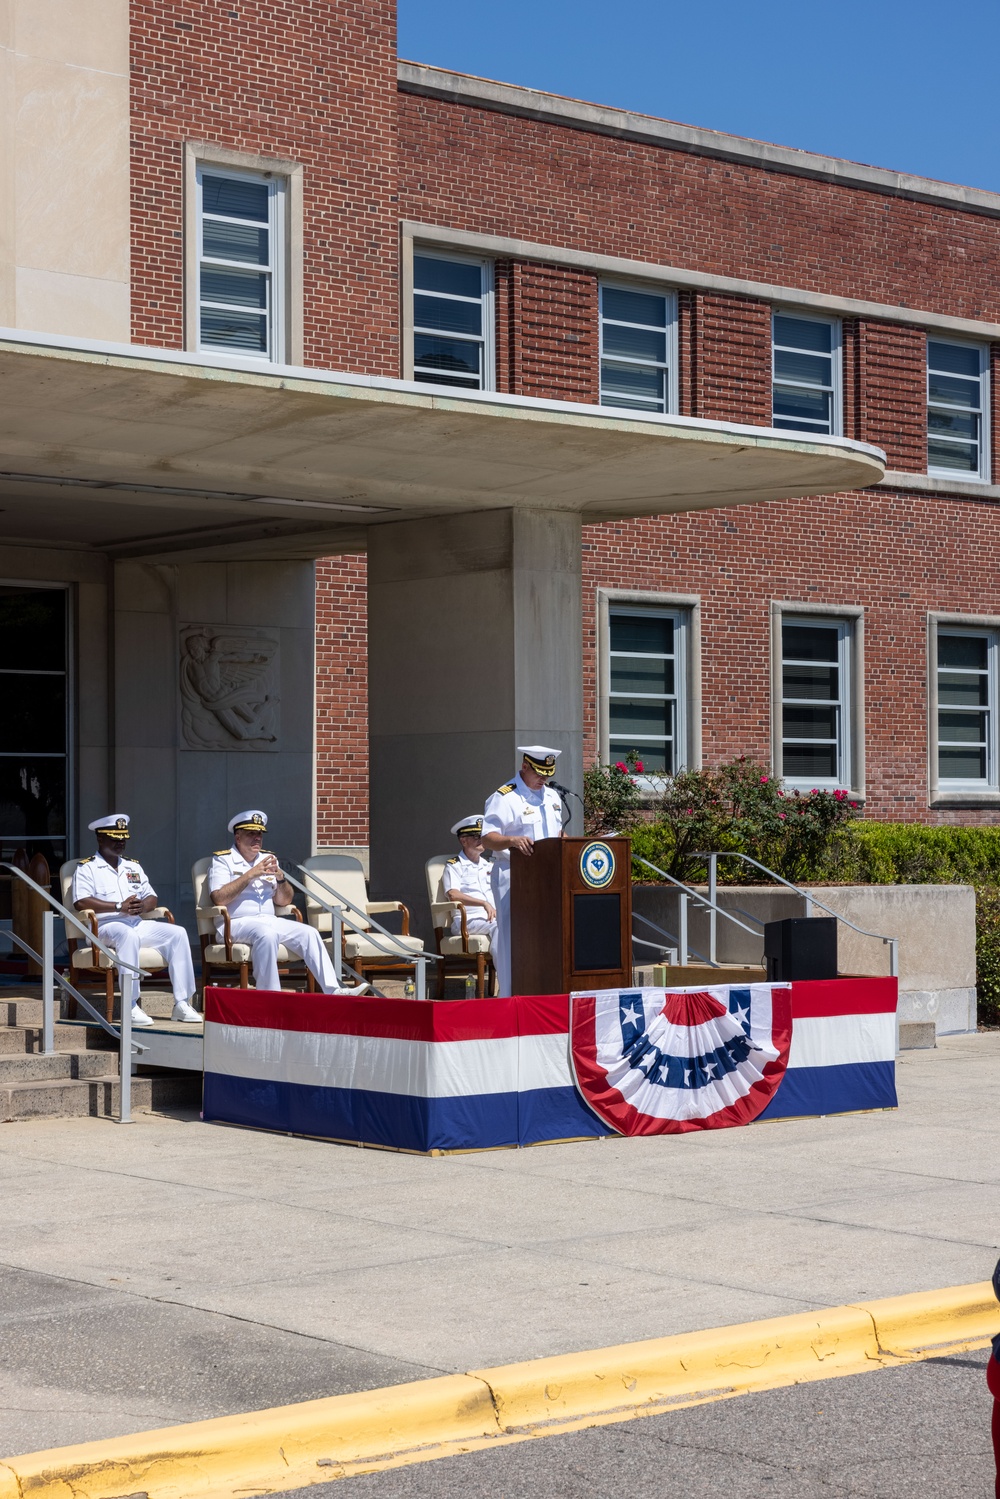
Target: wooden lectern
x=571 y=916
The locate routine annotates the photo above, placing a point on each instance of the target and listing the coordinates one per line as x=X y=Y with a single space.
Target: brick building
x=299 y=342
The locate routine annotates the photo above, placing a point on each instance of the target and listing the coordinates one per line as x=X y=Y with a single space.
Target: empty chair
x=364 y=949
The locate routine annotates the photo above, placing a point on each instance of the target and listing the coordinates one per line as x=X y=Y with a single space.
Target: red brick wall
x=311 y=81
x=731 y=378
x=892 y=392
x=341 y=701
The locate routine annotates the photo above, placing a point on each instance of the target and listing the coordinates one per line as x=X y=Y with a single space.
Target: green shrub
x=988 y=954
x=905 y=853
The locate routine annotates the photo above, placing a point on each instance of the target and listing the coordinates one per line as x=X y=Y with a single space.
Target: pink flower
x=763 y=780
x=782 y=816
x=638 y=766
x=620 y=765
x=854 y=805
x=690 y=812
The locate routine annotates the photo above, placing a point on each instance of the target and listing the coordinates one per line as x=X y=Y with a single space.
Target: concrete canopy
x=151 y=453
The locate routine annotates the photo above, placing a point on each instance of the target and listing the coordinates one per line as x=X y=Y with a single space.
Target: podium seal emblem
x=597 y=865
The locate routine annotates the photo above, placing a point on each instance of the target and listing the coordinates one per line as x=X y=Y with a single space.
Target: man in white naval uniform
x=517 y=815
x=468 y=882
x=117 y=891
x=249 y=882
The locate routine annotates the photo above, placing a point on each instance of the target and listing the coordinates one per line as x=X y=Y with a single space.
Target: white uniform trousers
x=127 y=934
x=264 y=933
x=500 y=885
x=481 y=926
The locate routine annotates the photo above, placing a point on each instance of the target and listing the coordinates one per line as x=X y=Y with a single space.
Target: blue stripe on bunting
x=833 y=1090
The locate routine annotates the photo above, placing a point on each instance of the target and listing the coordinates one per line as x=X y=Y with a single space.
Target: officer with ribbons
x=249 y=881
x=467 y=881
x=118 y=891
x=517 y=815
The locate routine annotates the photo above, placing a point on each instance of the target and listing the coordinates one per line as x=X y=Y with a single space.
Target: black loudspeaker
x=801 y=947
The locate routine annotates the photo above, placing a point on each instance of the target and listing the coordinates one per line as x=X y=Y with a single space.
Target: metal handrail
x=126 y=1048
x=811 y=900
x=419 y=960
x=336 y=919
x=670 y=936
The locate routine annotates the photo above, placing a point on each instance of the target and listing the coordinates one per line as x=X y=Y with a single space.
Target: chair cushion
x=215 y=952
x=149 y=959
x=478 y=942
x=358 y=946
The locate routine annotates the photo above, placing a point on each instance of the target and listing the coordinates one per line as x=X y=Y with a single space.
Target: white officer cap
x=472 y=825
x=540 y=757
x=115 y=825
x=248 y=822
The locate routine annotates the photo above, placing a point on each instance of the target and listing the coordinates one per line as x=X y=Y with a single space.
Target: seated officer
x=117 y=891
x=248 y=881
x=467 y=881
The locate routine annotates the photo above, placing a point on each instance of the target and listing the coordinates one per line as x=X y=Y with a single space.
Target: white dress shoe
x=183 y=1011
x=139 y=1016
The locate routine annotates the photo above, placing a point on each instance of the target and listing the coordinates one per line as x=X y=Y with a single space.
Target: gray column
x=474 y=647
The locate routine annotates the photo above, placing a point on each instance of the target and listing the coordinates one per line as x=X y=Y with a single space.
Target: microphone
x=564 y=790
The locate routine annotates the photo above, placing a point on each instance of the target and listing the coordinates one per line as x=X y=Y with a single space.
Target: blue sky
x=898 y=83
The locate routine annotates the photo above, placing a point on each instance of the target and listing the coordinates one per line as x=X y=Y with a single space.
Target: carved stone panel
x=228 y=679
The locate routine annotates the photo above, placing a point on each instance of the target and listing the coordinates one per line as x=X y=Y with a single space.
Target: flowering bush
x=740 y=807
x=612 y=797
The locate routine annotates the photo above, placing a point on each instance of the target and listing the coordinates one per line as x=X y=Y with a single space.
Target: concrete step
x=97 y=1097
x=16 y=1039
x=31 y=1067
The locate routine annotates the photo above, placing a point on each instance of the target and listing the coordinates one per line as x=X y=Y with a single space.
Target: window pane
x=955 y=423
x=807 y=367
x=964 y=457
x=657 y=759
x=802 y=334
x=32 y=796
x=242 y=288
x=962 y=764
x=962 y=728
x=968 y=651
x=452 y=317
x=626 y=717
x=809 y=723
x=635 y=343
x=957 y=359
x=456 y=276
x=966 y=689
x=792 y=406
x=642 y=632
x=810 y=762
x=237 y=198
x=634 y=306
x=952 y=391
x=822 y=682
x=809 y=642
x=34 y=720
x=623 y=384
x=642 y=674
x=32 y=630
x=235 y=242
x=244 y=331
x=449 y=355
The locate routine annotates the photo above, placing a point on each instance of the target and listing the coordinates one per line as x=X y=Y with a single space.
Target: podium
x=571 y=916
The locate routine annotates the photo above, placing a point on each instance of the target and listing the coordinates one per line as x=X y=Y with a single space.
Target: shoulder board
x=453 y=859
x=87 y=859
x=219 y=852
x=504 y=789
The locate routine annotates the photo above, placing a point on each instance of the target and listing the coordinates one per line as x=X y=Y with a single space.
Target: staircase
x=82 y=1077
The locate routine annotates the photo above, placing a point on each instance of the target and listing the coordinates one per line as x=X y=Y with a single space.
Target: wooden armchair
x=229 y=956
x=86 y=961
x=462 y=951
x=364 y=953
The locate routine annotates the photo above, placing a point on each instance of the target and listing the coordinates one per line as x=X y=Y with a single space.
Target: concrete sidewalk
x=171 y=1270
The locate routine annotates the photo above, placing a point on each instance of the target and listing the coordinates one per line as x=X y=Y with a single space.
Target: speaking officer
x=249 y=882
x=117 y=891
x=467 y=881
x=518 y=815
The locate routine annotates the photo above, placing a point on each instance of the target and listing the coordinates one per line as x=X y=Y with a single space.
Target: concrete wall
x=935 y=925
x=64 y=167
x=180 y=798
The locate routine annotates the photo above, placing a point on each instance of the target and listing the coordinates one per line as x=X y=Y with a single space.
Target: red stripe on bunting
x=395 y=1019
x=813 y=998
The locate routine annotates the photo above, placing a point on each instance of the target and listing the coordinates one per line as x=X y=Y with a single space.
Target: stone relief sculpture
x=228 y=688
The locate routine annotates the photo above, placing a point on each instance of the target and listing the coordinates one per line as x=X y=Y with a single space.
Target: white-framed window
x=452 y=320
x=816 y=697
x=647 y=697
x=957 y=407
x=805 y=393
x=966 y=728
x=241 y=281
x=638 y=348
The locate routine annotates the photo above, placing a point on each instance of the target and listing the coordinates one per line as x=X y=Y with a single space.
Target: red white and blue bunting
x=655 y=1061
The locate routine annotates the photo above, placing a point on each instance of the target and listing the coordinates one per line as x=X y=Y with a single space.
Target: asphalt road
x=894 y=1434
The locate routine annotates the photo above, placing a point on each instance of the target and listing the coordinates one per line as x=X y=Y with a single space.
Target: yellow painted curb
x=293 y=1446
